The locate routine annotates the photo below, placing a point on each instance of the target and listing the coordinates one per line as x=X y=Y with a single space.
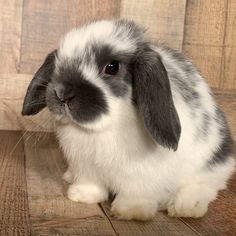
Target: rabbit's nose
x=64 y=95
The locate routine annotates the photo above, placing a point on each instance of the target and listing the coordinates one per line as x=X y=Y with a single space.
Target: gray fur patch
x=187 y=90
x=206 y=121
x=86 y=101
x=183 y=62
x=225 y=150
x=184 y=78
x=118 y=84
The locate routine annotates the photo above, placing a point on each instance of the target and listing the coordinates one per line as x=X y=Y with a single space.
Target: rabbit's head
x=97 y=70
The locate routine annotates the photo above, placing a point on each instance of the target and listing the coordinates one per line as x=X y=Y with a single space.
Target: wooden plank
x=12 y=91
x=228 y=75
x=164 y=19
x=51 y=213
x=227 y=101
x=10 y=35
x=221 y=217
x=204 y=36
x=44 y=23
x=13 y=193
x=160 y=225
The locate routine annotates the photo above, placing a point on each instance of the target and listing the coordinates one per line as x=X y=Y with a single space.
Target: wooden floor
x=33 y=199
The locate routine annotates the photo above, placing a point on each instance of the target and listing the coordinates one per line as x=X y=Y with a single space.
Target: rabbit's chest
x=106 y=147
x=116 y=158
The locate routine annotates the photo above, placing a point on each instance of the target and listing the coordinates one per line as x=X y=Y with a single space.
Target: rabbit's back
x=204 y=126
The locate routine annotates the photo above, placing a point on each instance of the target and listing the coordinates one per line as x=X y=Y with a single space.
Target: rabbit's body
x=121 y=153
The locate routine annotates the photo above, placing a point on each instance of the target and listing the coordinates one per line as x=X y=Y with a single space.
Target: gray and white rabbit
x=134 y=119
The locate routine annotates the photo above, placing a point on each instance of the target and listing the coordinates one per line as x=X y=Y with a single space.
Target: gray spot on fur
x=183 y=62
x=205 y=124
x=187 y=91
x=104 y=55
x=183 y=78
x=206 y=121
x=118 y=85
x=225 y=150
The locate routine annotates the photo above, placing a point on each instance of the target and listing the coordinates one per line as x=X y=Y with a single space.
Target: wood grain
x=228 y=69
x=12 y=91
x=10 y=35
x=13 y=194
x=45 y=22
x=204 y=36
x=51 y=213
x=163 y=19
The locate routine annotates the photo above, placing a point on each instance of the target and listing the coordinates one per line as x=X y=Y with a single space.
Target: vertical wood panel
x=228 y=75
x=204 y=36
x=164 y=19
x=44 y=23
x=10 y=35
x=13 y=193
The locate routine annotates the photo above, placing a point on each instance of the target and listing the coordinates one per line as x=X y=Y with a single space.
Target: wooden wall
x=204 y=29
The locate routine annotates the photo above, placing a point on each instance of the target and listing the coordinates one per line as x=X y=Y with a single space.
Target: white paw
x=132 y=210
x=191 y=201
x=87 y=193
x=68 y=177
x=196 y=210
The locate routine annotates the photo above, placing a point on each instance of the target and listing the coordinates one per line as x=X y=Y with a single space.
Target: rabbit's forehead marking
x=91 y=47
x=117 y=36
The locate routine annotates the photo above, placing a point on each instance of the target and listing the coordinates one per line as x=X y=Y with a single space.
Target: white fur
x=103 y=31
x=116 y=153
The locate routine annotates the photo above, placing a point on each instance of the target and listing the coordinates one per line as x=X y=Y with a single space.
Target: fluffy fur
x=152 y=134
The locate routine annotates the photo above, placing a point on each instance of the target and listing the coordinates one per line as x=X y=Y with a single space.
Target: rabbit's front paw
x=87 y=193
x=191 y=201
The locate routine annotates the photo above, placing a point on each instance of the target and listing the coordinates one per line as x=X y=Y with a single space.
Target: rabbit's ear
x=152 y=93
x=34 y=100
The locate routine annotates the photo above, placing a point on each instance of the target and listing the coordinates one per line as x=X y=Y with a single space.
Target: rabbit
x=133 y=119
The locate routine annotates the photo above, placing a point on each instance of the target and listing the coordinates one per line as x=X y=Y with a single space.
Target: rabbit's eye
x=112 y=68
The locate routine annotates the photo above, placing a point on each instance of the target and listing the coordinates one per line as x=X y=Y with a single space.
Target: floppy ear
x=152 y=93
x=34 y=100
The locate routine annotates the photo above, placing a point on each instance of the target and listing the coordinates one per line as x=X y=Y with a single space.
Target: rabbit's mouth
x=68 y=117
x=69 y=113
x=87 y=104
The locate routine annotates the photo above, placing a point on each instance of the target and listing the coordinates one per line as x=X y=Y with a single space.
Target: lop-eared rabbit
x=134 y=119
